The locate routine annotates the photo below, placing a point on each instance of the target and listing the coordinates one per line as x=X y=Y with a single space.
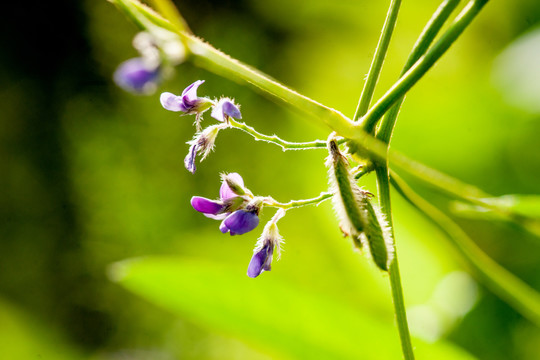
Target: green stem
x=274 y=139
x=378 y=59
x=171 y=13
x=298 y=203
x=415 y=73
x=383 y=187
x=207 y=57
x=370 y=146
x=145 y=17
x=425 y=39
x=500 y=281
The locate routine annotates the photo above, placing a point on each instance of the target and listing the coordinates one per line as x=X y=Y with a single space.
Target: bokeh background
x=91 y=175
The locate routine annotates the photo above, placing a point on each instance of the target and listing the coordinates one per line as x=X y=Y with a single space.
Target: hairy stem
x=378 y=59
x=416 y=72
x=383 y=188
x=274 y=139
x=499 y=280
x=298 y=203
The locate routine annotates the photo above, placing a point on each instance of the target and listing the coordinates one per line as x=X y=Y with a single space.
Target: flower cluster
x=239 y=211
x=189 y=103
x=237 y=207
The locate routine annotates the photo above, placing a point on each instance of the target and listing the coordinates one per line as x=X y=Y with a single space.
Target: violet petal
x=206 y=206
x=189 y=160
x=136 y=75
x=260 y=261
x=240 y=222
x=231 y=110
x=189 y=95
x=217 y=113
x=171 y=102
x=225 y=191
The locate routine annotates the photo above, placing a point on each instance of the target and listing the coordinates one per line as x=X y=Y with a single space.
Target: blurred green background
x=91 y=175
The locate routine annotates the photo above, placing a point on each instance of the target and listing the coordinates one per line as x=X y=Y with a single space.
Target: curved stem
x=431 y=30
x=499 y=280
x=298 y=203
x=274 y=139
x=415 y=73
x=378 y=59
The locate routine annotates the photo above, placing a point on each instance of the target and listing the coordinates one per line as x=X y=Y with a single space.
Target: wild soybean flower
x=269 y=242
x=138 y=75
x=237 y=207
x=141 y=75
x=188 y=102
x=202 y=144
x=224 y=109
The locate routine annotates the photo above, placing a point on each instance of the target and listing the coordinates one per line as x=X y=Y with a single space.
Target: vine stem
x=383 y=187
x=378 y=59
x=419 y=69
x=298 y=203
x=274 y=139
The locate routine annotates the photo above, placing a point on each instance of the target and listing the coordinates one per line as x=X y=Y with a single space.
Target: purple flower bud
x=225 y=192
x=189 y=160
x=269 y=241
x=261 y=260
x=240 y=222
x=224 y=109
x=137 y=75
x=188 y=102
x=202 y=144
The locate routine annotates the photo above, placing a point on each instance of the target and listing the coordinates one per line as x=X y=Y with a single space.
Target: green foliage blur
x=91 y=176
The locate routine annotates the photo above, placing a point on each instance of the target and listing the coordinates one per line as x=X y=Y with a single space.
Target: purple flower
x=137 y=75
x=224 y=109
x=202 y=144
x=269 y=241
x=240 y=222
x=261 y=260
x=188 y=102
x=239 y=215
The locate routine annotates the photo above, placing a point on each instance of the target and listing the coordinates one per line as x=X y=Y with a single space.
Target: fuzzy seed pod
x=347 y=197
x=378 y=236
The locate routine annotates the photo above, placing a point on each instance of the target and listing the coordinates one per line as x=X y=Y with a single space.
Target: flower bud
x=269 y=242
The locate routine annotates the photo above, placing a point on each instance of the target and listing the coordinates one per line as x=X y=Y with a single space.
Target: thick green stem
x=500 y=281
x=378 y=59
x=383 y=187
x=171 y=13
x=415 y=73
x=425 y=39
